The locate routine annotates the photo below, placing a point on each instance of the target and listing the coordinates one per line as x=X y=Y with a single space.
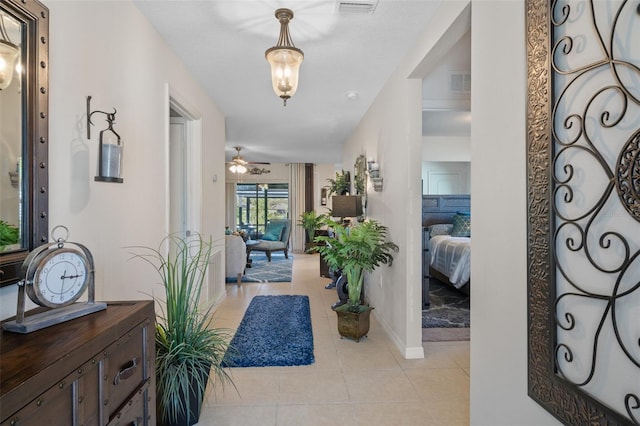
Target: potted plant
x=189 y=348
x=355 y=250
x=9 y=234
x=311 y=222
x=341 y=185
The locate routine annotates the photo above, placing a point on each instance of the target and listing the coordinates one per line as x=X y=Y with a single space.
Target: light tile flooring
x=365 y=383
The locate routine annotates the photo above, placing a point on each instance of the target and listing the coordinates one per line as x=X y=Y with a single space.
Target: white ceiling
x=222 y=43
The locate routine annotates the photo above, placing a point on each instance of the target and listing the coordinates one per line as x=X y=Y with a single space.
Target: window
x=258 y=203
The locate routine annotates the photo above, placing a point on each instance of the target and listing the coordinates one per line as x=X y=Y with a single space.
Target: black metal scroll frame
x=550 y=183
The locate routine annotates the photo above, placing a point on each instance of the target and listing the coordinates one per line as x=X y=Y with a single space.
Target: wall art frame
x=565 y=400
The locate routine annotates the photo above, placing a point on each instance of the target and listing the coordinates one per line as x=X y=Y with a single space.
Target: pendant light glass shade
x=8 y=55
x=285 y=59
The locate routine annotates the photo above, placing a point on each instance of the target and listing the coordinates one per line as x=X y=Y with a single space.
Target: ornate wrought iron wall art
x=583 y=149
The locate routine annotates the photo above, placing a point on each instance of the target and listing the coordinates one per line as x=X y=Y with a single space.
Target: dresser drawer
x=134 y=412
x=125 y=368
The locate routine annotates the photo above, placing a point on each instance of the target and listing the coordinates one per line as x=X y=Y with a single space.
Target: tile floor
x=365 y=383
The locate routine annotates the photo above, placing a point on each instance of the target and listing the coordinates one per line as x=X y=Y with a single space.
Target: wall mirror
x=583 y=155
x=24 y=62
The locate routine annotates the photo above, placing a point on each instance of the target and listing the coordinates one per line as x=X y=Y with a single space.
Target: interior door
x=178 y=178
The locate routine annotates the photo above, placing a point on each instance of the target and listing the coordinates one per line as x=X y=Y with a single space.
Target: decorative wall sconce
x=8 y=54
x=110 y=150
x=285 y=59
x=374 y=174
x=14 y=176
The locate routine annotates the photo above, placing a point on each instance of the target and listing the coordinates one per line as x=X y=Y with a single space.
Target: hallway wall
x=108 y=50
x=499 y=255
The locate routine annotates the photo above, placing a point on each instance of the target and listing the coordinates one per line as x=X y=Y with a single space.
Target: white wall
x=446 y=148
x=449 y=177
x=391 y=133
x=108 y=50
x=498 y=172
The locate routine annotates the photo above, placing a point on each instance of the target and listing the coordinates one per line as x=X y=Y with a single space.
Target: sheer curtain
x=296 y=206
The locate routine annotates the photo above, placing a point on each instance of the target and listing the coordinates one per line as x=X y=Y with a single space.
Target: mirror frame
x=35 y=134
x=567 y=402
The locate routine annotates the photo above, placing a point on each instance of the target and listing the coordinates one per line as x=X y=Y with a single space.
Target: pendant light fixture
x=285 y=59
x=8 y=55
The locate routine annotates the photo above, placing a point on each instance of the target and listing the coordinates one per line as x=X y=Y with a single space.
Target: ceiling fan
x=240 y=165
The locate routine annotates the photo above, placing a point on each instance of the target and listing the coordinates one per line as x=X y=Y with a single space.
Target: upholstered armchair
x=235 y=256
x=275 y=238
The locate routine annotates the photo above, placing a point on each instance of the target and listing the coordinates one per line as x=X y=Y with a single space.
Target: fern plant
x=355 y=250
x=189 y=348
x=311 y=221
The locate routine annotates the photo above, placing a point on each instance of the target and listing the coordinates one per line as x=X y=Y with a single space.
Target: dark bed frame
x=439 y=209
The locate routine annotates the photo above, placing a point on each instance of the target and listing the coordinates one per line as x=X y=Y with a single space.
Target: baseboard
x=408 y=352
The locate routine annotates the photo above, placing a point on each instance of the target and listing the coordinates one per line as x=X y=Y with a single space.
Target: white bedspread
x=452 y=257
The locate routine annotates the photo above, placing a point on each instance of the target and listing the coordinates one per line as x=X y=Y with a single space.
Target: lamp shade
x=346 y=205
x=284 y=59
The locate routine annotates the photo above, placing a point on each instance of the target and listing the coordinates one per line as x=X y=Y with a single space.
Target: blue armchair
x=275 y=238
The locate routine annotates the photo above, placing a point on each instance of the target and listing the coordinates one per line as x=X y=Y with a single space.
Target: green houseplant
x=355 y=250
x=311 y=222
x=9 y=234
x=189 y=348
x=341 y=185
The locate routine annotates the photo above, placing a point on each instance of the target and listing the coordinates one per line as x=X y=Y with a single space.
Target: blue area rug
x=262 y=271
x=275 y=331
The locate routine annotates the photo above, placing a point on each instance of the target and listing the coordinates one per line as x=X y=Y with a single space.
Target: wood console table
x=94 y=370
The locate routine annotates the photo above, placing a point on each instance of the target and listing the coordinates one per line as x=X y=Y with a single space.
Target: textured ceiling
x=222 y=43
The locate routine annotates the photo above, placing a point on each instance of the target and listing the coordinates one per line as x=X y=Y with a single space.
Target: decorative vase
x=353 y=325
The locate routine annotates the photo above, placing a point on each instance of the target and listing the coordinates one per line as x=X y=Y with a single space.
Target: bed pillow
x=440 y=229
x=461 y=226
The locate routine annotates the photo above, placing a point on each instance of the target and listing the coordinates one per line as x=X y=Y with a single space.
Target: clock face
x=60 y=278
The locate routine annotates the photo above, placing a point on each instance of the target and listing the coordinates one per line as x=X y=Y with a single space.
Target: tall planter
x=353 y=325
x=193 y=401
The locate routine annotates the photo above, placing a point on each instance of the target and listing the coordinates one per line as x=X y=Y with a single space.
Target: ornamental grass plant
x=189 y=348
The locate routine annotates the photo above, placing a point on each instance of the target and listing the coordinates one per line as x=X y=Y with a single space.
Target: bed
x=446 y=224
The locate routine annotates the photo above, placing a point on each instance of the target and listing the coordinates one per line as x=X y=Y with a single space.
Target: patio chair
x=275 y=238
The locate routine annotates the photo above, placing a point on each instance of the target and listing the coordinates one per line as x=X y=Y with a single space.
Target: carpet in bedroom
x=448 y=315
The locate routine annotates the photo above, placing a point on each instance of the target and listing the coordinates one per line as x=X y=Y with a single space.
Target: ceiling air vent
x=356 y=6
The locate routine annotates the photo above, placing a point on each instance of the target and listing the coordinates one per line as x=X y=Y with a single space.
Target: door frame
x=193 y=156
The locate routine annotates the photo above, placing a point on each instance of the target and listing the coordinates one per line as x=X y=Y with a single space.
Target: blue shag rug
x=262 y=271
x=275 y=331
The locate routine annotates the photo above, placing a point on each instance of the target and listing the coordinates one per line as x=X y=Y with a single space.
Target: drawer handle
x=126 y=371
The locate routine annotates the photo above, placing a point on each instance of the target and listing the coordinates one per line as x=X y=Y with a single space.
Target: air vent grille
x=356 y=6
x=460 y=82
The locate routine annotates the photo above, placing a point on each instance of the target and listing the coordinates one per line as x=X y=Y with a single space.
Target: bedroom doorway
x=446 y=194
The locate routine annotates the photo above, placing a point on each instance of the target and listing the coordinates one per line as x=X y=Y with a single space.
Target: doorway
x=184 y=198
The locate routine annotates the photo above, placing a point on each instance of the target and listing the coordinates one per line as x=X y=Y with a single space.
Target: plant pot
x=353 y=325
x=193 y=402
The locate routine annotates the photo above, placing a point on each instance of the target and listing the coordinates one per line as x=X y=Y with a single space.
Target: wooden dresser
x=94 y=370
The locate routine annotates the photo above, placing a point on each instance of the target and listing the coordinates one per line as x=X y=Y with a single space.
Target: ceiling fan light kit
x=284 y=59
x=239 y=165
